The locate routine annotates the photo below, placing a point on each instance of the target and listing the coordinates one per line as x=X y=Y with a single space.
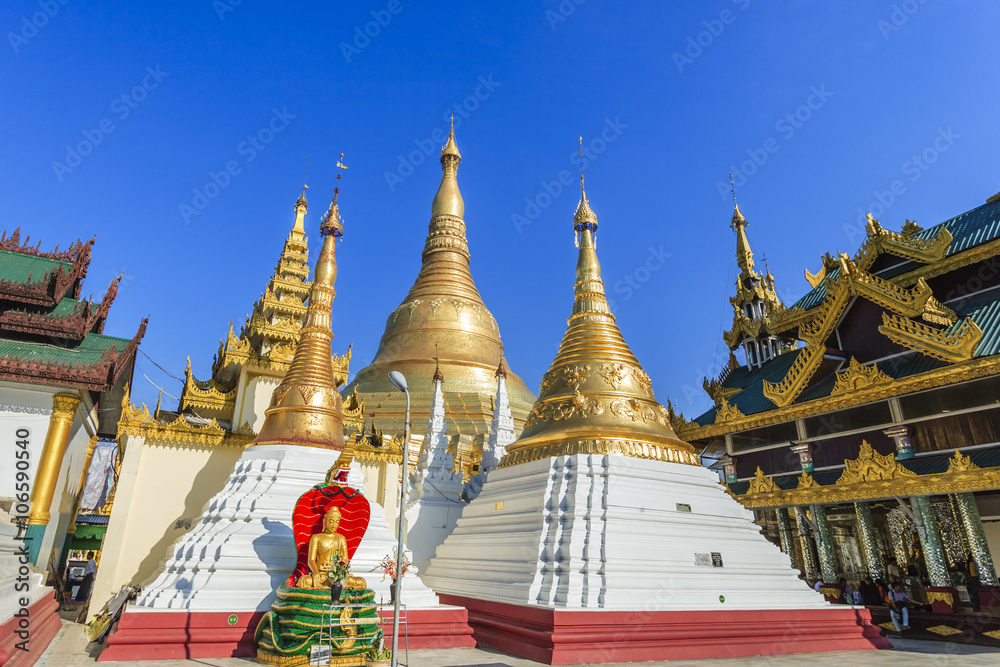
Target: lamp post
x=399 y=381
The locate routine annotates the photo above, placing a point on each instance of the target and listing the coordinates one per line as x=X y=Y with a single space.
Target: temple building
x=863 y=424
x=61 y=383
x=443 y=316
x=601 y=537
x=174 y=461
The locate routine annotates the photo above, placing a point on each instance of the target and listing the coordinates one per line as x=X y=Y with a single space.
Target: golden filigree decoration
x=636 y=411
x=614 y=374
x=727 y=412
x=940 y=596
x=961 y=463
x=576 y=376
x=871 y=466
x=642 y=379
x=857 y=376
x=761 y=483
x=603 y=447
x=957 y=343
x=576 y=406
x=911 y=227
x=139 y=422
x=806 y=481
x=943 y=630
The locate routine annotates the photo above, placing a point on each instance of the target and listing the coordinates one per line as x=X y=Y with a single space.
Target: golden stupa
x=595 y=398
x=442 y=316
x=306 y=407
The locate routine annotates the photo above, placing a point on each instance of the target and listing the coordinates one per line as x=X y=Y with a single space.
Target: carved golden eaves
x=797 y=378
x=727 y=412
x=717 y=392
x=857 y=376
x=960 y=463
x=957 y=343
x=906 y=245
x=762 y=483
x=871 y=466
x=806 y=481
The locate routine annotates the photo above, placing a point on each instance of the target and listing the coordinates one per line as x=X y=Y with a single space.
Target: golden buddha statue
x=325 y=548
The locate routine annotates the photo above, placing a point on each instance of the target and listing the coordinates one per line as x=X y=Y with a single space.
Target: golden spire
x=744 y=256
x=585 y=216
x=301 y=206
x=306 y=407
x=501 y=371
x=438 y=375
x=448 y=200
x=595 y=397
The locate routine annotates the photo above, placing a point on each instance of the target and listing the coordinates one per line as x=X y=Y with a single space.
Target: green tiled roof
x=968 y=230
x=87 y=353
x=752 y=399
x=16 y=267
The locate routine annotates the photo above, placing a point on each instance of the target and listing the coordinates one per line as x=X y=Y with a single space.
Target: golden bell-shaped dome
x=442 y=316
x=306 y=408
x=595 y=398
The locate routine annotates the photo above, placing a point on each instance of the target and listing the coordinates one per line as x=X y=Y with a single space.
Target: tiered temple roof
x=910 y=311
x=48 y=334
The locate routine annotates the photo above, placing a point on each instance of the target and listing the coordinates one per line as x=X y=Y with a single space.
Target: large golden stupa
x=595 y=398
x=442 y=316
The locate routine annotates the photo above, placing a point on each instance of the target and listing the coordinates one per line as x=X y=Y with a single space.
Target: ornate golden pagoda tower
x=595 y=398
x=306 y=407
x=443 y=312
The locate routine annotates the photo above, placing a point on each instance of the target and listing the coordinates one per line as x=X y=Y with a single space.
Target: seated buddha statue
x=325 y=548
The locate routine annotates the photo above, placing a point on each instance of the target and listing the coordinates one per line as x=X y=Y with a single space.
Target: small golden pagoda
x=595 y=398
x=442 y=312
x=306 y=407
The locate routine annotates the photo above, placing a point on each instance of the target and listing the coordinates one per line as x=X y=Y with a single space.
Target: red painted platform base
x=173 y=635
x=569 y=637
x=43 y=624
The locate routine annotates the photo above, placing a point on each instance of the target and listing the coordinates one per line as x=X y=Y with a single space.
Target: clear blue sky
x=886 y=80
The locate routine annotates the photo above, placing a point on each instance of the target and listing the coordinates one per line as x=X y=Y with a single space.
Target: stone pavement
x=69 y=649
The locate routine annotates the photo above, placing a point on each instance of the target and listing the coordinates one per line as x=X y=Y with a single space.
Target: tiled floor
x=69 y=649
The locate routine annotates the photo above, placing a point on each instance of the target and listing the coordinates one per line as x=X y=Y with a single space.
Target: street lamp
x=399 y=381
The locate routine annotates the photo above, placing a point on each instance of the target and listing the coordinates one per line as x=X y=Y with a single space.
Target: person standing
x=892 y=569
x=89 y=572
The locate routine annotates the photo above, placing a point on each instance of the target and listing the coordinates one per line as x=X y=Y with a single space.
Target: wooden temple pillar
x=49 y=464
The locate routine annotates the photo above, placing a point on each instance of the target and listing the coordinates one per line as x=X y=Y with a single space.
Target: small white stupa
x=436 y=500
x=501 y=435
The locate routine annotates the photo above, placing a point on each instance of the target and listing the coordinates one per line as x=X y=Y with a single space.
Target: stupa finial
x=585 y=217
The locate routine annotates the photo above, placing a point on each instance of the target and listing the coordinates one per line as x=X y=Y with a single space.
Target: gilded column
x=808 y=555
x=972 y=526
x=930 y=542
x=827 y=561
x=785 y=532
x=871 y=546
x=43 y=487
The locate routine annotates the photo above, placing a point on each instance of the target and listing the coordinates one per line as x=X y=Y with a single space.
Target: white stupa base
x=243 y=547
x=429 y=522
x=606 y=532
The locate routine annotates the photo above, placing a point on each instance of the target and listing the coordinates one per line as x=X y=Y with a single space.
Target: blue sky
x=818 y=107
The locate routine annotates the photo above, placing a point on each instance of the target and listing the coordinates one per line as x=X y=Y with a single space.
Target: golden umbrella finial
x=585 y=217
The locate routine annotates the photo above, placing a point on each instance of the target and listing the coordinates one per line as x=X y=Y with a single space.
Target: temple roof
x=943 y=342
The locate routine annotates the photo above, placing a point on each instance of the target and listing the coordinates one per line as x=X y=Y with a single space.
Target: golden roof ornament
x=448 y=200
x=744 y=256
x=306 y=409
x=438 y=375
x=584 y=218
x=595 y=397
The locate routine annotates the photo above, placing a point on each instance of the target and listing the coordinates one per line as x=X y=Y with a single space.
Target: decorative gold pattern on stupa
x=595 y=398
x=443 y=311
x=306 y=407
